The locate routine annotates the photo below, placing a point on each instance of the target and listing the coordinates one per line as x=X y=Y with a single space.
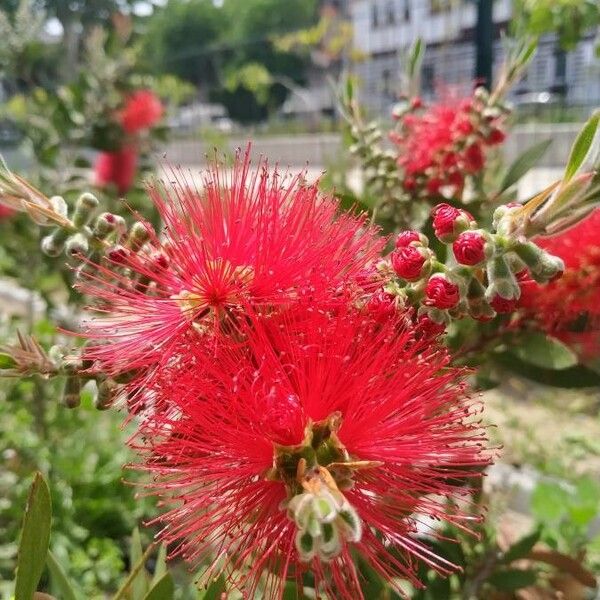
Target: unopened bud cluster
x=481 y=279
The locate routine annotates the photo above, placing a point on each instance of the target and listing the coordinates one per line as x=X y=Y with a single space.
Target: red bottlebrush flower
x=408 y=262
x=473 y=158
x=441 y=292
x=248 y=240
x=556 y=306
x=325 y=438
x=448 y=221
x=405 y=238
x=142 y=110
x=116 y=168
x=469 y=248
x=382 y=306
x=503 y=305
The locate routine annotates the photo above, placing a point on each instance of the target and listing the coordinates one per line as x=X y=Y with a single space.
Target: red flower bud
x=382 y=306
x=434 y=185
x=409 y=183
x=117 y=254
x=496 y=136
x=428 y=328
x=503 y=305
x=416 y=102
x=441 y=292
x=473 y=158
x=469 y=248
x=445 y=221
x=408 y=262
x=407 y=237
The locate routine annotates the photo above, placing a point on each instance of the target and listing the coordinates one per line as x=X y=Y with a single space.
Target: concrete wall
x=320 y=150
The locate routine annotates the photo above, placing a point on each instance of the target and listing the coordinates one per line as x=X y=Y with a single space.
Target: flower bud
x=501 y=281
x=503 y=305
x=441 y=292
x=59 y=205
x=470 y=248
x=449 y=222
x=406 y=238
x=105 y=223
x=382 y=306
x=72 y=392
x=53 y=244
x=543 y=266
x=428 y=328
x=84 y=208
x=118 y=254
x=77 y=245
x=495 y=137
x=411 y=262
x=139 y=234
x=107 y=393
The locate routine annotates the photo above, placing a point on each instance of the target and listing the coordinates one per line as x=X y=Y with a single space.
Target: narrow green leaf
x=139 y=584
x=582 y=146
x=415 y=57
x=544 y=351
x=161 y=564
x=163 y=589
x=525 y=161
x=509 y=580
x=35 y=538
x=522 y=547
x=60 y=580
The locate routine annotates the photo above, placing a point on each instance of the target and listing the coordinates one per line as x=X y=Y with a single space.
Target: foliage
x=570 y=20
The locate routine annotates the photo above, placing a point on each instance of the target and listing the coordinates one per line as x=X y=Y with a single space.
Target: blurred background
x=221 y=73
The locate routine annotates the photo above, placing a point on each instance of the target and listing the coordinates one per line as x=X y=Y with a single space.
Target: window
x=386 y=83
x=390 y=13
x=406 y=11
x=428 y=78
x=374 y=16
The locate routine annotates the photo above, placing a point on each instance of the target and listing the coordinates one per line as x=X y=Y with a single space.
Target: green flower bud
x=53 y=244
x=77 y=245
x=84 y=208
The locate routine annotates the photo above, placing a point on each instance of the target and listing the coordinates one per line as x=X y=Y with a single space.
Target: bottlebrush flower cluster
x=443 y=145
x=141 y=111
x=569 y=307
x=286 y=425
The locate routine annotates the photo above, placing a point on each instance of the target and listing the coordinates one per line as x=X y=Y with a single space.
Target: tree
x=180 y=39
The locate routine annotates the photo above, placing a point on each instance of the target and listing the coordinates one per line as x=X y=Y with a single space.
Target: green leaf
x=214 y=590
x=415 y=57
x=161 y=564
x=163 y=589
x=549 y=502
x=60 y=580
x=525 y=161
x=522 y=547
x=7 y=361
x=573 y=378
x=509 y=580
x=544 y=351
x=139 y=585
x=35 y=537
x=582 y=146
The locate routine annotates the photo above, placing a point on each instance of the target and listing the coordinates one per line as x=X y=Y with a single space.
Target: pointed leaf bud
x=53 y=244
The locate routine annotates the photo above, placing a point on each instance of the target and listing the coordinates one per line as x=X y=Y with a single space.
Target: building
x=384 y=30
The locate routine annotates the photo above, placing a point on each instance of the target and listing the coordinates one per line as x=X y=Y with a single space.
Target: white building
x=385 y=29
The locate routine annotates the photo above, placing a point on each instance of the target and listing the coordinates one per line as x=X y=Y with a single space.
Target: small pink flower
x=448 y=221
x=406 y=238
